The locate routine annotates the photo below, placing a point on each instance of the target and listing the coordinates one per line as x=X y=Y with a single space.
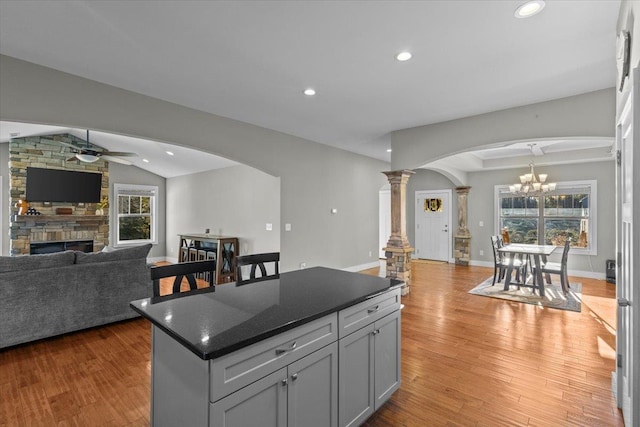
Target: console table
x=316 y=348
x=225 y=247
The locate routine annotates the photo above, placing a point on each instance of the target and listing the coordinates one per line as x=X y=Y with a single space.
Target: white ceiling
x=250 y=61
x=184 y=161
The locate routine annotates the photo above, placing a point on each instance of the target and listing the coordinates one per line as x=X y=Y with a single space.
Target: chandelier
x=530 y=184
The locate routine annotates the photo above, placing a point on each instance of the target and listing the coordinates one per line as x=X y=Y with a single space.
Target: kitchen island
x=316 y=347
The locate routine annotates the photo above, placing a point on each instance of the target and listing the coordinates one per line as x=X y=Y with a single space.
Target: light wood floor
x=467 y=361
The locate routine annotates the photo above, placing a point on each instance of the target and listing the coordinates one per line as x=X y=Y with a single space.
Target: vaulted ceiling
x=251 y=61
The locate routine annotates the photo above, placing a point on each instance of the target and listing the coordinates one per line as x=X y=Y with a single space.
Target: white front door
x=433 y=219
x=628 y=248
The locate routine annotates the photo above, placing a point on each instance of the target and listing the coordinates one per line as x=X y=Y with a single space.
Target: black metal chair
x=559 y=268
x=257 y=261
x=188 y=270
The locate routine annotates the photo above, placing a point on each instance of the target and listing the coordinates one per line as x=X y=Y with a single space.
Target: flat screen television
x=55 y=185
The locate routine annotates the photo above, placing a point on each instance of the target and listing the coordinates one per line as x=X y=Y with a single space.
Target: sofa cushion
x=36 y=262
x=134 y=252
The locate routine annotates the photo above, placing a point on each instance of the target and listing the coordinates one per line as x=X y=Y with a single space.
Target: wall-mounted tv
x=55 y=185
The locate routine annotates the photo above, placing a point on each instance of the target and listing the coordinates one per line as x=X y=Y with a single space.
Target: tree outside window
x=135 y=213
x=551 y=218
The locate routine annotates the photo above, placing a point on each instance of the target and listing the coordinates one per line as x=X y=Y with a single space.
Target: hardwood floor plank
x=467 y=360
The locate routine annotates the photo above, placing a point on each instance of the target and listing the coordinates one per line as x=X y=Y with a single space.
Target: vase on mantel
x=99 y=211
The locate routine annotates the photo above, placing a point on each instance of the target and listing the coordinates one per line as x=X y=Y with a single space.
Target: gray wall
x=236 y=201
x=482 y=208
x=314 y=177
x=122 y=174
x=588 y=115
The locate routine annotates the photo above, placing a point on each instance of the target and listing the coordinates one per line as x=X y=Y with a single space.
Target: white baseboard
x=361 y=267
x=575 y=273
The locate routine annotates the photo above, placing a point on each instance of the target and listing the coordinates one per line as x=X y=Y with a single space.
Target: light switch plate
x=269 y=226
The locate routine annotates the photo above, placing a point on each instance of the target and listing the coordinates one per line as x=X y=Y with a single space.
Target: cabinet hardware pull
x=623 y=302
x=374 y=309
x=294 y=377
x=284 y=382
x=286 y=350
x=376 y=331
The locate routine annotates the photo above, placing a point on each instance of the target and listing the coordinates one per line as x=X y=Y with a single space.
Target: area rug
x=553 y=295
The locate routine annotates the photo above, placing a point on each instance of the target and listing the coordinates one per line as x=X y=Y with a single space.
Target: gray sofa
x=47 y=295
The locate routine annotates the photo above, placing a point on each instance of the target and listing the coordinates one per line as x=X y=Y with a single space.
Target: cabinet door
x=387 y=357
x=263 y=403
x=355 y=384
x=313 y=389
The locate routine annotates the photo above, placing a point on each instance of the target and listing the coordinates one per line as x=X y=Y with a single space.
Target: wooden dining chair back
x=559 y=268
x=257 y=262
x=184 y=270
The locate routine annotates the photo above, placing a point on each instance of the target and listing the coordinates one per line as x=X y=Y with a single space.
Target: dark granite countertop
x=212 y=322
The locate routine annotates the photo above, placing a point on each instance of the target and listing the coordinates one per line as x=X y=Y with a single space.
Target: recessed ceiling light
x=529 y=9
x=170 y=153
x=145 y=160
x=403 y=56
x=389 y=150
x=309 y=91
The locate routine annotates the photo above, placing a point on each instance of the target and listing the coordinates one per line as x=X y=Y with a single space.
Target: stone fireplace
x=81 y=225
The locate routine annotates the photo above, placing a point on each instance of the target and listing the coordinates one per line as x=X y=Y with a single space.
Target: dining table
x=538 y=253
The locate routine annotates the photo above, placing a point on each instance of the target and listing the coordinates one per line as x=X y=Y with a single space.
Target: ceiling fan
x=90 y=154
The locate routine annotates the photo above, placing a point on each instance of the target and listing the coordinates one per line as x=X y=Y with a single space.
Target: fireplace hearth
x=67 y=245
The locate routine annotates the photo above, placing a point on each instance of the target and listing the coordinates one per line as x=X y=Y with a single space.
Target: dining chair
x=257 y=261
x=559 y=268
x=501 y=262
x=181 y=271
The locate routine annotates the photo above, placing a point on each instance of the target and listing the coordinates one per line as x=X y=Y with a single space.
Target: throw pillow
x=134 y=252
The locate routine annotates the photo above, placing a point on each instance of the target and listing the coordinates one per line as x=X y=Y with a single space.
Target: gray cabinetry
x=386 y=358
x=303 y=394
x=369 y=368
x=355 y=385
x=336 y=369
x=313 y=389
x=263 y=403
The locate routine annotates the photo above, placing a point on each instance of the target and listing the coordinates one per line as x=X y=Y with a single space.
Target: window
x=136 y=213
x=551 y=218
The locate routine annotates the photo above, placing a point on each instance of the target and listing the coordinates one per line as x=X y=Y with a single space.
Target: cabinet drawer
x=353 y=318
x=240 y=368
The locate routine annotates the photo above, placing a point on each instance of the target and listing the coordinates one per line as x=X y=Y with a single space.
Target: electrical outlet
x=481 y=224
x=481 y=252
x=269 y=226
x=370 y=254
x=287 y=227
x=303 y=265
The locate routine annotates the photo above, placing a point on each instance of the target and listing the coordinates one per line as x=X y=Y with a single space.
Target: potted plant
x=102 y=205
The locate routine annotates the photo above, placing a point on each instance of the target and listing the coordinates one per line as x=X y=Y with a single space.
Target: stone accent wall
x=462 y=250
x=399 y=266
x=47 y=152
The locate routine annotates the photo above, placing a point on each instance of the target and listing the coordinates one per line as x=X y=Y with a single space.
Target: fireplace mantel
x=65 y=218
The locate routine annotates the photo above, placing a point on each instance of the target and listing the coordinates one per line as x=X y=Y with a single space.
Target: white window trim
x=154 y=215
x=593 y=203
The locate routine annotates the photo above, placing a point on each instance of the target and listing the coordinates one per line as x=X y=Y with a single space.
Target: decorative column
x=462 y=249
x=398 y=250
